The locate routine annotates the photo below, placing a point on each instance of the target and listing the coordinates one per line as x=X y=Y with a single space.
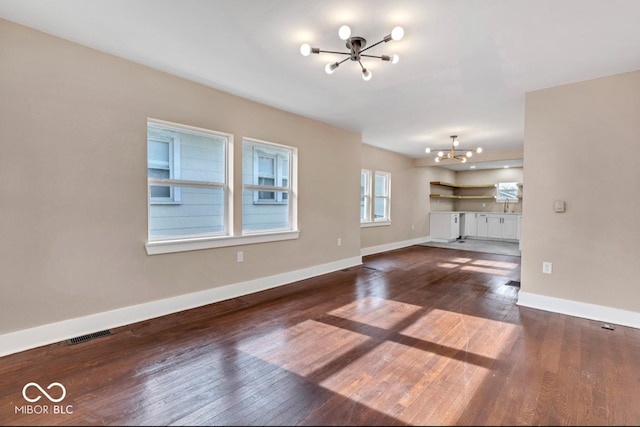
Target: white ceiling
x=464 y=65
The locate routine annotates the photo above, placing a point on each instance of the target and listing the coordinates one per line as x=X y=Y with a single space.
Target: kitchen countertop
x=476 y=212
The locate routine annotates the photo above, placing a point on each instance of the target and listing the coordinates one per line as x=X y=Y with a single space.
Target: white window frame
x=371 y=221
x=365 y=195
x=386 y=218
x=232 y=237
x=291 y=188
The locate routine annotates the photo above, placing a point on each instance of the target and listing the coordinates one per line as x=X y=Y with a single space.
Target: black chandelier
x=356 y=46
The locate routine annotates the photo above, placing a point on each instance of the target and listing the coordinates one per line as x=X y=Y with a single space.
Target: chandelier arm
x=345 y=59
x=373 y=45
x=361 y=66
x=332 y=51
x=372 y=56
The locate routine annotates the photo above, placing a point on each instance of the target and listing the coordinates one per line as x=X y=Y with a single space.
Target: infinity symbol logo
x=36 y=385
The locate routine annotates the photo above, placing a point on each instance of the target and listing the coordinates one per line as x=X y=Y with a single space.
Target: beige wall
x=73 y=217
x=410 y=205
x=582 y=145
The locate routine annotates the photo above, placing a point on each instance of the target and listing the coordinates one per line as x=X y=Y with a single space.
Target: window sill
x=374 y=224
x=194 y=244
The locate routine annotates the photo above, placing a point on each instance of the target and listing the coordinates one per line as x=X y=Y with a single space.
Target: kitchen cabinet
x=497 y=226
x=469 y=224
x=482 y=225
x=494 y=227
x=509 y=227
x=444 y=226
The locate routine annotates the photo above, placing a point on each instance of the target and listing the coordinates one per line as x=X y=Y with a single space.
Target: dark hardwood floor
x=415 y=336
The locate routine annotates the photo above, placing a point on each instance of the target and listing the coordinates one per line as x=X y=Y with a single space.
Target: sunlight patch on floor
x=375 y=311
x=452 y=350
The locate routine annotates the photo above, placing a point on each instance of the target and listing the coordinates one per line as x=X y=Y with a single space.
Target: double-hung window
x=382 y=197
x=375 y=197
x=187 y=174
x=268 y=186
x=365 y=195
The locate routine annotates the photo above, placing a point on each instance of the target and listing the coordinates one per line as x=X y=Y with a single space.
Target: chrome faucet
x=506 y=205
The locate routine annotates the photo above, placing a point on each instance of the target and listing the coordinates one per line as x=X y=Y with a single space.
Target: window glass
x=507 y=191
x=267 y=186
x=186 y=170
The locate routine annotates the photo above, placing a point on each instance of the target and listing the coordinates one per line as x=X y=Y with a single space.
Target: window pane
x=202 y=158
x=158 y=152
x=181 y=153
x=380 y=208
x=266 y=166
x=201 y=211
x=507 y=191
x=158 y=173
x=263 y=160
x=261 y=217
x=158 y=191
x=363 y=212
x=381 y=185
x=363 y=184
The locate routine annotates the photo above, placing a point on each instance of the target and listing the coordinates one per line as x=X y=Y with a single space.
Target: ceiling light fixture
x=356 y=46
x=451 y=155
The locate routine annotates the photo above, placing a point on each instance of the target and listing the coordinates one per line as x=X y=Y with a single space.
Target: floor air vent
x=513 y=283
x=88 y=337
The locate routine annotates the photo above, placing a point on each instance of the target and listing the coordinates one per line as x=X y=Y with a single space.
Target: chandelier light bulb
x=479 y=150
x=344 y=32
x=455 y=142
x=395 y=59
x=437 y=159
x=330 y=67
x=397 y=33
x=427 y=150
x=305 y=49
x=366 y=75
x=464 y=160
x=469 y=154
x=440 y=154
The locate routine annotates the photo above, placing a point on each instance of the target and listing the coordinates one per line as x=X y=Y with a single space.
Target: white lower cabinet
x=482 y=225
x=509 y=227
x=497 y=226
x=469 y=224
x=444 y=226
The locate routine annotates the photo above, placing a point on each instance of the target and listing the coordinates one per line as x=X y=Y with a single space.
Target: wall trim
x=391 y=246
x=601 y=313
x=14 y=342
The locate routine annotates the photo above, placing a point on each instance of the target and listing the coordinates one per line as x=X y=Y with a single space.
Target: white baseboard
x=391 y=246
x=580 y=309
x=26 y=339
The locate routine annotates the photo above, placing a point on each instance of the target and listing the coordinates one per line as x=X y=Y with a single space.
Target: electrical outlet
x=339 y=241
x=547 y=267
x=240 y=257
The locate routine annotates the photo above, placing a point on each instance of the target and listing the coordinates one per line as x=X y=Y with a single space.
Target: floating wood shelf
x=455 y=196
x=448 y=184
